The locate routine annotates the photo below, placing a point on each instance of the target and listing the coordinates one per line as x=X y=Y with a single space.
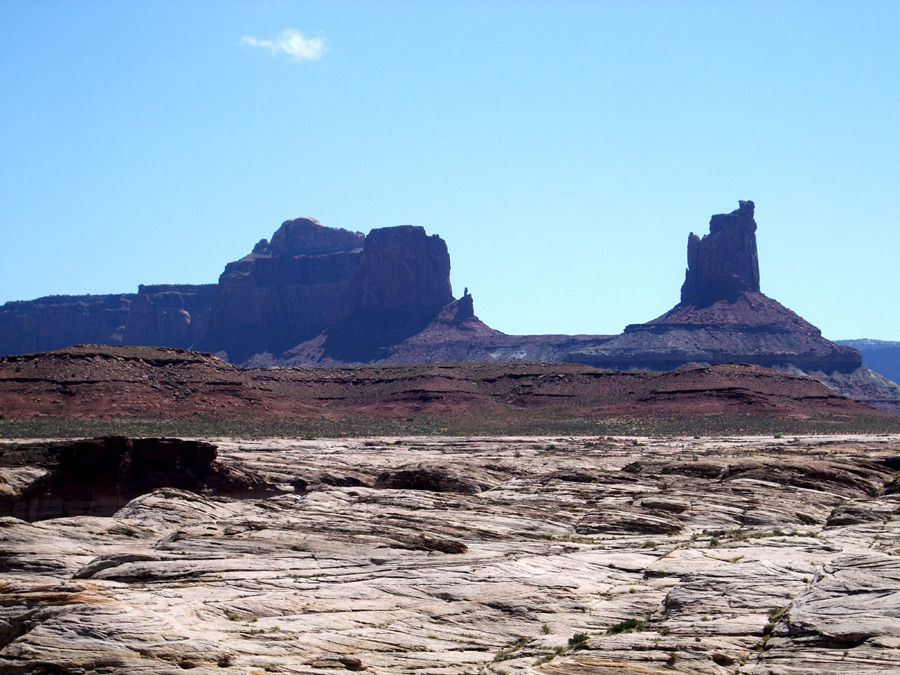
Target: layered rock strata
x=98 y=477
x=357 y=295
x=493 y=555
x=320 y=296
x=60 y=321
x=169 y=315
x=285 y=292
x=724 y=263
x=882 y=356
x=723 y=316
x=163 y=315
x=120 y=385
x=398 y=287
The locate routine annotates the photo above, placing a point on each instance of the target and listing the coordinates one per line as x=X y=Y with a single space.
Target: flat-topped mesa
x=365 y=292
x=286 y=291
x=399 y=286
x=724 y=263
x=402 y=268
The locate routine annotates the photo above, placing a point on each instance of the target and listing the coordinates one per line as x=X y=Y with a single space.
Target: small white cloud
x=292 y=43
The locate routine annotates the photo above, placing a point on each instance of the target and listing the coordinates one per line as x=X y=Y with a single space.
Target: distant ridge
x=115 y=385
x=322 y=296
x=882 y=356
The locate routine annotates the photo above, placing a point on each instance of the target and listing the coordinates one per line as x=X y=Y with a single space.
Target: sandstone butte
x=440 y=554
x=322 y=296
x=452 y=556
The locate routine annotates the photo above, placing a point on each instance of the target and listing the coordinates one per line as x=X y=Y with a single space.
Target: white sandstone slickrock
x=739 y=555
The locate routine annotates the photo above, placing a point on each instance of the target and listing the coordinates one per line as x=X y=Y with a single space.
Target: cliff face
x=171 y=316
x=724 y=263
x=882 y=356
x=353 y=295
x=401 y=269
x=285 y=292
x=723 y=316
x=356 y=295
x=62 y=320
x=399 y=286
x=168 y=315
x=315 y=295
x=98 y=477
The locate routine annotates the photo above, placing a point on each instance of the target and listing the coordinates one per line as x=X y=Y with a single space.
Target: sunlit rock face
x=467 y=555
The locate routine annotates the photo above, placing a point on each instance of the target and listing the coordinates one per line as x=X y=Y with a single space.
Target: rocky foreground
x=462 y=555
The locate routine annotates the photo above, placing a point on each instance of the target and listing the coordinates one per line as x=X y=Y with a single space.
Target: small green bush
x=577 y=641
x=626 y=626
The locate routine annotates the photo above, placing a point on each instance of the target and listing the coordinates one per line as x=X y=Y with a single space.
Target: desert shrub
x=626 y=626
x=577 y=641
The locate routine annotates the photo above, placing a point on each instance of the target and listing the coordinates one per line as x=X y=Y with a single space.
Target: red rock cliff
x=286 y=291
x=724 y=263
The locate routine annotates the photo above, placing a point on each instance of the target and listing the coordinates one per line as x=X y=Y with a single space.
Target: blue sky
x=563 y=150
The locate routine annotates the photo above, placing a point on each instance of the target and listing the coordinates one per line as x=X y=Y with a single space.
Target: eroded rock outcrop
x=358 y=295
x=170 y=315
x=98 y=477
x=882 y=356
x=398 y=287
x=60 y=321
x=200 y=394
x=158 y=315
x=351 y=297
x=688 y=555
x=724 y=263
x=723 y=316
x=285 y=292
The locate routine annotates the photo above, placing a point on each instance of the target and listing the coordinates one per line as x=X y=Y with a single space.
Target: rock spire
x=724 y=263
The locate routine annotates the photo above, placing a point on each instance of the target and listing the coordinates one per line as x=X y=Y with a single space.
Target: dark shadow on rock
x=97 y=477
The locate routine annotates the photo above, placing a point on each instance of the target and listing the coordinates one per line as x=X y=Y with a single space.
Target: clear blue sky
x=564 y=150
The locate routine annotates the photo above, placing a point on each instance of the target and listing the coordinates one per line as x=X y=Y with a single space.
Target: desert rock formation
x=321 y=296
x=170 y=315
x=882 y=356
x=98 y=477
x=477 y=555
x=285 y=292
x=723 y=316
x=351 y=297
x=724 y=263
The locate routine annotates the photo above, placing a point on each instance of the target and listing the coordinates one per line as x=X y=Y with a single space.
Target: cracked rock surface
x=572 y=556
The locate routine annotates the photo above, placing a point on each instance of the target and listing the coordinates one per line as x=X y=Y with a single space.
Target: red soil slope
x=90 y=381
